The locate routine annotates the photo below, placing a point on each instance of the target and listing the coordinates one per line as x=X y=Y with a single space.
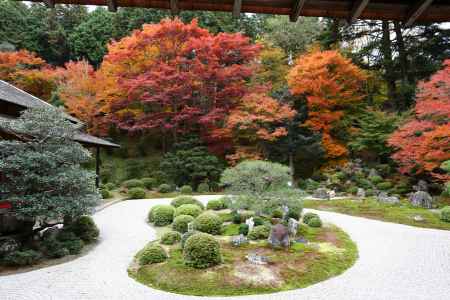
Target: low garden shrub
x=188 y=209
x=215 y=204
x=308 y=216
x=74 y=246
x=352 y=190
x=236 y=218
x=152 y=254
x=164 y=188
x=243 y=229
x=203 y=188
x=186 y=236
x=180 y=223
x=161 y=215
x=170 y=238
x=258 y=221
x=22 y=258
x=202 y=251
x=148 y=182
x=84 y=227
x=181 y=200
x=386 y=185
x=445 y=214
x=294 y=214
x=376 y=179
x=109 y=186
x=315 y=222
x=277 y=213
x=133 y=183
x=55 y=249
x=106 y=194
x=186 y=189
x=208 y=222
x=136 y=193
x=259 y=232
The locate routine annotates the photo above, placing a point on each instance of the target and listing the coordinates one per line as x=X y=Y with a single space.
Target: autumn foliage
x=423 y=142
x=331 y=84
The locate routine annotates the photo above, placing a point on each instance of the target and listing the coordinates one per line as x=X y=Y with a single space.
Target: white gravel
x=396 y=262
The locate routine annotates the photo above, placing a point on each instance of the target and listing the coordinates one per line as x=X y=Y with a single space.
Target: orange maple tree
x=330 y=83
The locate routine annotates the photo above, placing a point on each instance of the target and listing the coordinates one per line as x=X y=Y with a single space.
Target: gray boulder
x=8 y=245
x=361 y=193
x=421 y=199
x=384 y=198
x=373 y=173
x=321 y=193
x=279 y=236
x=421 y=185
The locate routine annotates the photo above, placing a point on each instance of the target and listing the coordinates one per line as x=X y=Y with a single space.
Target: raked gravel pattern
x=396 y=262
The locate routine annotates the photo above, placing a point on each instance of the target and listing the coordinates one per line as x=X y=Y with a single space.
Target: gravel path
x=396 y=262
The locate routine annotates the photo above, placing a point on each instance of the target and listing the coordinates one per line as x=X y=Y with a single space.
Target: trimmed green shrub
x=74 y=246
x=302 y=230
x=376 y=179
x=170 y=238
x=215 y=204
x=84 y=227
x=236 y=218
x=186 y=236
x=148 y=182
x=55 y=249
x=246 y=215
x=203 y=188
x=208 y=222
x=106 y=194
x=308 y=216
x=226 y=202
x=180 y=223
x=277 y=213
x=259 y=232
x=22 y=258
x=133 y=183
x=164 y=188
x=188 y=209
x=202 y=251
x=186 y=189
x=363 y=183
x=370 y=193
x=315 y=222
x=152 y=254
x=352 y=190
x=136 y=193
x=258 y=221
x=109 y=186
x=446 y=190
x=445 y=214
x=294 y=214
x=161 y=215
x=243 y=229
x=386 y=185
x=181 y=200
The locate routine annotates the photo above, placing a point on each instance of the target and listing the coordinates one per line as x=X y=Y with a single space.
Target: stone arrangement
x=257 y=259
x=279 y=236
x=239 y=240
x=421 y=199
x=293 y=226
x=384 y=198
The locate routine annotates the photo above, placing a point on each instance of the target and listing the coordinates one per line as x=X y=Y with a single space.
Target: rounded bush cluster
x=148 y=183
x=243 y=229
x=136 y=193
x=277 y=213
x=106 y=194
x=132 y=183
x=161 y=215
x=202 y=251
x=257 y=221
x=384 y=185
x=164 y=188
x=203 y=188
x=185 y=237
x=308 y=216
x=208 y=222
x=315 y=222
x=181 y=200
x=22 y=258
x=170 y=238
x=215 y=204
x=188 y=209
x=375 y=179
x=180 y=223
x=186 y=189
x=445 y=214
x=84 y=227
x=109 y=186
x=259 y=232
x=152 y=254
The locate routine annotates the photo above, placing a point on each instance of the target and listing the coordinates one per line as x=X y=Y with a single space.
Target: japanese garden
x=269 y=150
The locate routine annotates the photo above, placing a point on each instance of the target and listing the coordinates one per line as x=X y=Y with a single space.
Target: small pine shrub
x=181 y=200
x=259 y=232
x=161 y=215
x=22 y=258
x=106 y=194
x=386 y=185
x=180 y=223
x=203 y=188
x=170 y=238
x=352 y=190
x=186 y=236
x=243 y=229
x=55 y=249
x=216 y=204
x=309 y=216
x=186 y=190
x=258 y=221
x=148 y=182
x=152 y=254
x=277 y=213
x=164 y=188
x=110 y=186
x=236 y=218
x=294 y=214
x=208 y=222
x=445 y=214
x=376 y=179
x=74 y=246
x=302 y=230
x=315 y=222
x=188 y=209
x=133 y=183
x=202 y=251
x=84 y=227
x=136 y=193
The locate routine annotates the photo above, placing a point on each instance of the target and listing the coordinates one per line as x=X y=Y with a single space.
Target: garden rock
x=321 y=193
x=384 y=198
x=373 y=173
x=190 y=227
x=257 y=259
x=239 y=240
x=293 y=226
x=50 y=233
x=361 y=193
x=250 y=223
x=418 y=218
x=421 y=199
x=422 y=185
x=8 y=245
x=279 y=236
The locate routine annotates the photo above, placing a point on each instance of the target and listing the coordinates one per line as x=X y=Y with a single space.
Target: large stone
x=279 y=236
x=321 y=193
x=421 y=199
x=421 y=185
x=384 y=198
x=361 y=193
x=239 y=240
x=8 y=245
x=373 y=173
x=293 y=226
x=250 y=223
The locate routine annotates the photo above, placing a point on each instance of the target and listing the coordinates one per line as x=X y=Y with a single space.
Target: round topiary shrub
x=170 y=238
x=22 y=258
x=203 y=188
x=136 y=193
x=185 y=236
x=216 y=204
x=243 y=229
x=84 y=227
x=375 y=179
x=259 y=232
x=164 y=188
x=188 y=209
x=180 y=223
x=132 y=183
x=152 y=254
x=445 y=214
x=109 y=186
x=106 y=194
x=236 y=218
x=257 y=221
x=161 y=215
x=181 y=200
x=201 y=251
x=186 y=189
x=352 y=190
x=308 y=216
x=315 y=222
x=148 y=182
x=208 y=222
x=384 y=185
x=277 y=213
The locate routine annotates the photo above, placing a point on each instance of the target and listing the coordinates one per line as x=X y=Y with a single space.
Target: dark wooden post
x=97 y=167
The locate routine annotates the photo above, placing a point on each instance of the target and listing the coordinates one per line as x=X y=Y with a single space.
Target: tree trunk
x=389 y=75
x=291 y=165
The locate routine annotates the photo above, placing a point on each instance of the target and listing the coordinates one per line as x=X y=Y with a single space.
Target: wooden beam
x=357 y=10
x=112 y=5
x=297 y=10
x=49 y=3
x=237 y=8
x=417 y=10
x=174 y=9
